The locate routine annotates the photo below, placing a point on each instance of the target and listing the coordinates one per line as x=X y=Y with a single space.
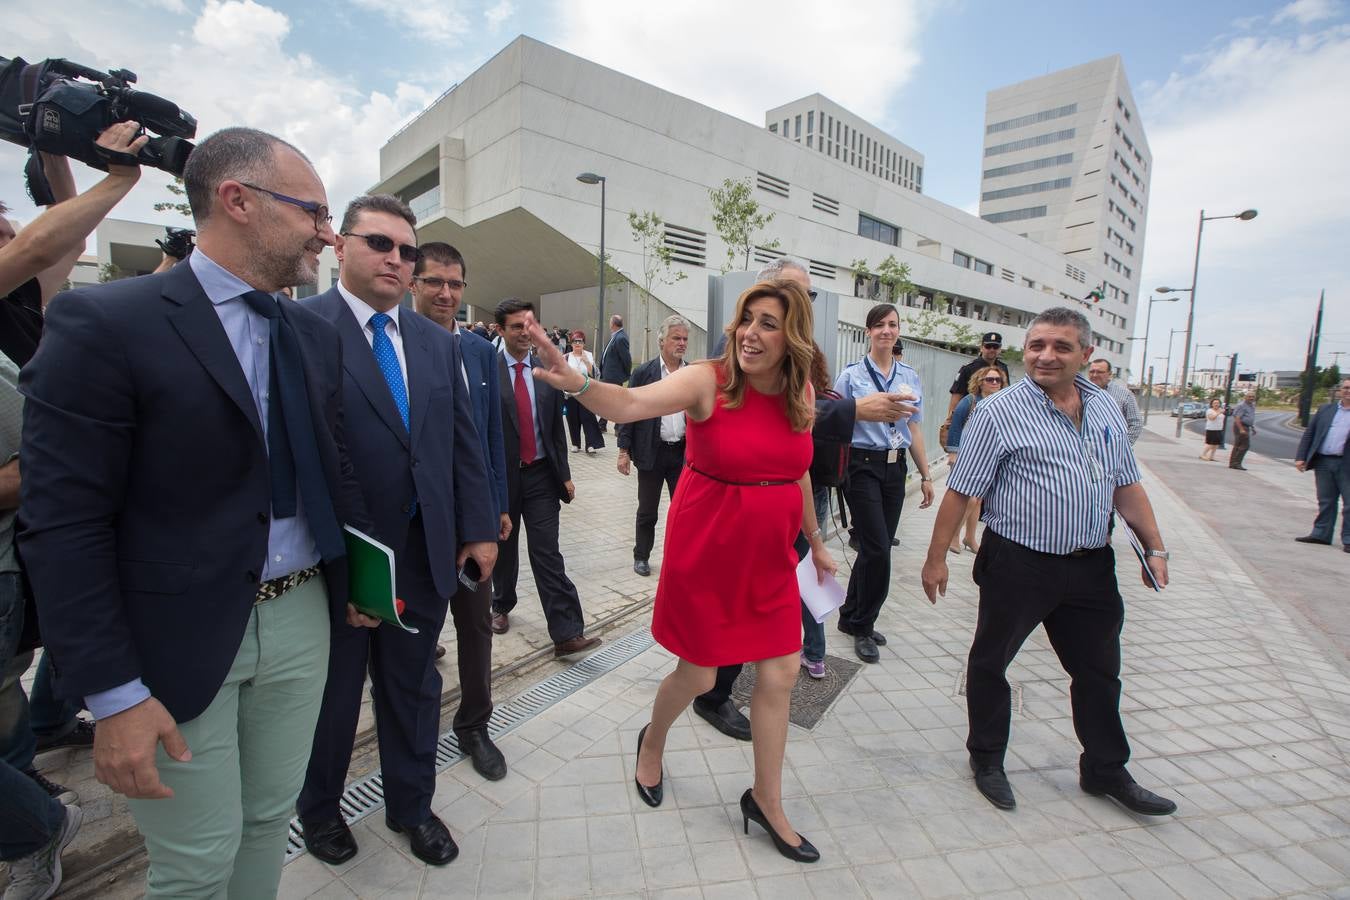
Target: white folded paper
x=820 y=599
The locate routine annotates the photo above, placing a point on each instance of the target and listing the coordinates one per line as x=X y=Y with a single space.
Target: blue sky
x=1236 y=97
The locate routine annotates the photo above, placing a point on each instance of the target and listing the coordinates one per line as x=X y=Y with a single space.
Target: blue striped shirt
x=855 y=382
x=1046 y=484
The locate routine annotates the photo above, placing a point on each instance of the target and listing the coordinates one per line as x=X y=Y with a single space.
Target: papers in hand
x=1138 y=550
x=820 y=599
x=370 y=578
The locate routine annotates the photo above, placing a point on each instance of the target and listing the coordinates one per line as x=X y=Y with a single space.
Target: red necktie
x=525 y=417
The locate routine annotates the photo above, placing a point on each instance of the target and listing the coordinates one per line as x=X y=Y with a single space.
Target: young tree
x=894 y=275
x=181 y=207
x=656 y=256
x=861 y=275
x=737 y=217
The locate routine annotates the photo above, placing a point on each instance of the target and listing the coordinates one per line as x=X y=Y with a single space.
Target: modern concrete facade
x=1067 y=164
x=820 y=124
x=491 y=167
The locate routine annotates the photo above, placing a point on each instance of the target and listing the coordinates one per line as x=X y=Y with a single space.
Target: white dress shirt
x=672 y=426
x=363 y=312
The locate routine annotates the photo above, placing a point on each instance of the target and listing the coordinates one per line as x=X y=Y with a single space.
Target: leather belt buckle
x=275 y=587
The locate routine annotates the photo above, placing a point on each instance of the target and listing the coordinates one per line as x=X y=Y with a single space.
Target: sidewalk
x=1234 y=705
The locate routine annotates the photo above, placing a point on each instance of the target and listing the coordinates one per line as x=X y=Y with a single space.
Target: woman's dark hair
x=879 y=312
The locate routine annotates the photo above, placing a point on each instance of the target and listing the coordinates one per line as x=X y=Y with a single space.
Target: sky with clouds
x=1243 y=103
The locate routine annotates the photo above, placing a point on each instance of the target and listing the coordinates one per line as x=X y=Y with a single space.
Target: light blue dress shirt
x=855 y=382
x=1334 y=443
x=290 y=543
x=540 y=450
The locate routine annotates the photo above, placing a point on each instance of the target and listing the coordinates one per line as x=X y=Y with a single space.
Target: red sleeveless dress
x=728 y=587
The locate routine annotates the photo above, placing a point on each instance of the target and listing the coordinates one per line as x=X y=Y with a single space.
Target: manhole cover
x=1014 y=689
x=811 y=697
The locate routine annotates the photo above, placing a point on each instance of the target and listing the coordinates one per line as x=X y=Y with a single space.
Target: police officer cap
x=992 y=337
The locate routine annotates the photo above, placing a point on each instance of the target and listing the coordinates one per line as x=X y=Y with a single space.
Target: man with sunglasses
x=184 y=481
x=991 y=344
x=415 y=451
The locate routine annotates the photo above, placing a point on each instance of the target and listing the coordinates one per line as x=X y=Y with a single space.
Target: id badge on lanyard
x=896 y=437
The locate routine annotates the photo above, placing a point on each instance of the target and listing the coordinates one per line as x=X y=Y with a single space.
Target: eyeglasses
x=317 y=210
x=383 y=244
x=434 y=283
x=992 y=379
x=993 y=346
x=812 y=294
x=578 y=341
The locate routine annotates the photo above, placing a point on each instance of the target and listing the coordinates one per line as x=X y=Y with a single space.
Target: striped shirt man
x=1046 y=483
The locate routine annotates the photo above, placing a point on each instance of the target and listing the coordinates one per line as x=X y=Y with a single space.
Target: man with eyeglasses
x=1099 y=373
x=184 y=481
x=438 y=290
x=991 y=344
x=1050 y=458
x=415 y=451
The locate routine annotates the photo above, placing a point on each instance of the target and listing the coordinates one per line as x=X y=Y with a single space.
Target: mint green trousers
x=223 y=833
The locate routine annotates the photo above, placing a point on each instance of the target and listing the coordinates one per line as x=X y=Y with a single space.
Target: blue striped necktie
x=387 y=360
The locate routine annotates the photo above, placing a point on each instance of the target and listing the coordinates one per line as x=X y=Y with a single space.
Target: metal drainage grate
x=367 y=795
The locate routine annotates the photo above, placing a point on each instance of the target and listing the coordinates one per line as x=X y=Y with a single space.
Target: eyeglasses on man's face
x=382 y=243
x=435 y=284
x=315 y=209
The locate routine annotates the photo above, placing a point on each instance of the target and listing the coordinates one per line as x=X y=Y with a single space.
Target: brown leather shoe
x=575 y=645
x=500 y=624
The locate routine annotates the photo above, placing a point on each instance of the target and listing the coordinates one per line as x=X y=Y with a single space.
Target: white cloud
x=1256 y=122
x=241 y=26
x=439 y=22
x=746 y=57
x=498 y=14
x=1305 y=12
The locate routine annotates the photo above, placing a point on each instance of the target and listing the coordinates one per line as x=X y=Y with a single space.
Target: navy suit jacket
x=1310 y=445
x=480 y=361
x=617 y=362
x=440 y=464
x=146 y=493
x=641 y=438
x=548 y=408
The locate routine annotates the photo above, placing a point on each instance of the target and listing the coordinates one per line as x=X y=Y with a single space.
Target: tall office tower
x=1066 y=164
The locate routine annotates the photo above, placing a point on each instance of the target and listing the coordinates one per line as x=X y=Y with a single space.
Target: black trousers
x=1077 y=600
x=580 y=419
x=669 y=464
x=721 y=691
x=538 y=506
x=471 y=610
x=1242 y=442
x=407 y=691
x=876 y=495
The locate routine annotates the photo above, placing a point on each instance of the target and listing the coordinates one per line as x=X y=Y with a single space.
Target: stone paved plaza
x=1235 y=705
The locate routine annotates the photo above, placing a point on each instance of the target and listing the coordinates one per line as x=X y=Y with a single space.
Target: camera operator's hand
x=121 y=137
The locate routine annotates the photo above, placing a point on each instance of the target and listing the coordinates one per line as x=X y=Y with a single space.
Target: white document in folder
x=820 y=599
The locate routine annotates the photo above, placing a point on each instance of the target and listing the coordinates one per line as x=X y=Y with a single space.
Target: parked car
x=1191 y=409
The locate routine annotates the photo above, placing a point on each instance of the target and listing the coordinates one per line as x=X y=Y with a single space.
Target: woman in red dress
x=728 y=589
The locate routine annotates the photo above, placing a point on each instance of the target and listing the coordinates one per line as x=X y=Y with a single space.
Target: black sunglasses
x=993 y=346
x=383 y=244
x=317 y=210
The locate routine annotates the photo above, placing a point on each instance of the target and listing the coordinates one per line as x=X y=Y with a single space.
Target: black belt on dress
x=275 y=587
x=690 y=467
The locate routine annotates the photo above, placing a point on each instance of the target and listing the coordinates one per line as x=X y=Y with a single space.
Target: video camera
x=45 y=108
x=177 y=242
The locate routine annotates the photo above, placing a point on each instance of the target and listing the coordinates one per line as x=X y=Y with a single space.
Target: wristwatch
x=923 y=478
x=1159 y=553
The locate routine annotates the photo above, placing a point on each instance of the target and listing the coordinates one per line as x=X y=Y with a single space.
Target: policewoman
x=875 y=489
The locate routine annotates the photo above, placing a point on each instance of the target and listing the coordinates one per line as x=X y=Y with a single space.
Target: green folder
x=370 y=578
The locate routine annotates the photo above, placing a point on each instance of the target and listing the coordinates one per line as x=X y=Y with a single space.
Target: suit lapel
x=508 y=392
x=417 y=352
x=195 y=320
x=359 y=361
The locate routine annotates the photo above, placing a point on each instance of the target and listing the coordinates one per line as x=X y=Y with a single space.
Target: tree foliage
x=181 y=207
x=649 y=232
x=738 y=219
x=894 y=276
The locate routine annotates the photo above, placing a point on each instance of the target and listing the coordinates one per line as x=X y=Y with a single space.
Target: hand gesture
x=124 y=750
x=553 y=369
x=882 y=407
x=121 y=137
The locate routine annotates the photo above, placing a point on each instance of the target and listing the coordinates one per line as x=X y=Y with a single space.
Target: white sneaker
x=38 y=875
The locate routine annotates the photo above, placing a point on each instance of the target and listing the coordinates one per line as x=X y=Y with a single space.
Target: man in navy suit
x=418 y=461
x=184 y=478
x=616 y=364
x=438 y=291
x=538 y=478
x=1323 y=449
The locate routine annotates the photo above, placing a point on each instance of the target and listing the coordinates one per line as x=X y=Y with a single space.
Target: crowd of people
x=203 y=446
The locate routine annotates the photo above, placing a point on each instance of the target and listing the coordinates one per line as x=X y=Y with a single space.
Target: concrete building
x=492 y=167
x=1066 y=164
x=836 y=133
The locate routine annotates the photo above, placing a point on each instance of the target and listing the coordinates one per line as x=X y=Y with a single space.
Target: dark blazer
x=548 y=409
x=146 y=493
x=440 y=463
x=1313 y=436
x=480 y=361
x=641 y=438
x=617 y=362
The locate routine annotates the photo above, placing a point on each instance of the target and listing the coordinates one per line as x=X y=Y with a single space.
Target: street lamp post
x=1196 y=357
x=1148 y=322
x=1167 y=372
x=1246 y=216
x=592 y=178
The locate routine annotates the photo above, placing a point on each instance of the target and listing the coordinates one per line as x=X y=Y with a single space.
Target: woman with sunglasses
x=875 y=489
x=984 y=382
x=579 y=418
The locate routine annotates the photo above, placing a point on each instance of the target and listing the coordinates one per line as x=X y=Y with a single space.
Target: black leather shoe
x=1346 y=548
x=805 y=852
x=431 y=841
x=331 y=841
x=1309 y=539
x=650 y=795
x=725 y=718
x=895 y=542
x=991 y=781
x=641 y=567
x=866 y=648
x=879 y=639
x=1131 y=796
x=486 y=758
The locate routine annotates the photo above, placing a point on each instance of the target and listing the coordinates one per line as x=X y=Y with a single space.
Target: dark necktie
x=528 y=450
x=292 y=451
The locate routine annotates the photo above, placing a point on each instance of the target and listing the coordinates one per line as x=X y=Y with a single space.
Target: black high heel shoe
x=805 y=852
x=650 y=795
